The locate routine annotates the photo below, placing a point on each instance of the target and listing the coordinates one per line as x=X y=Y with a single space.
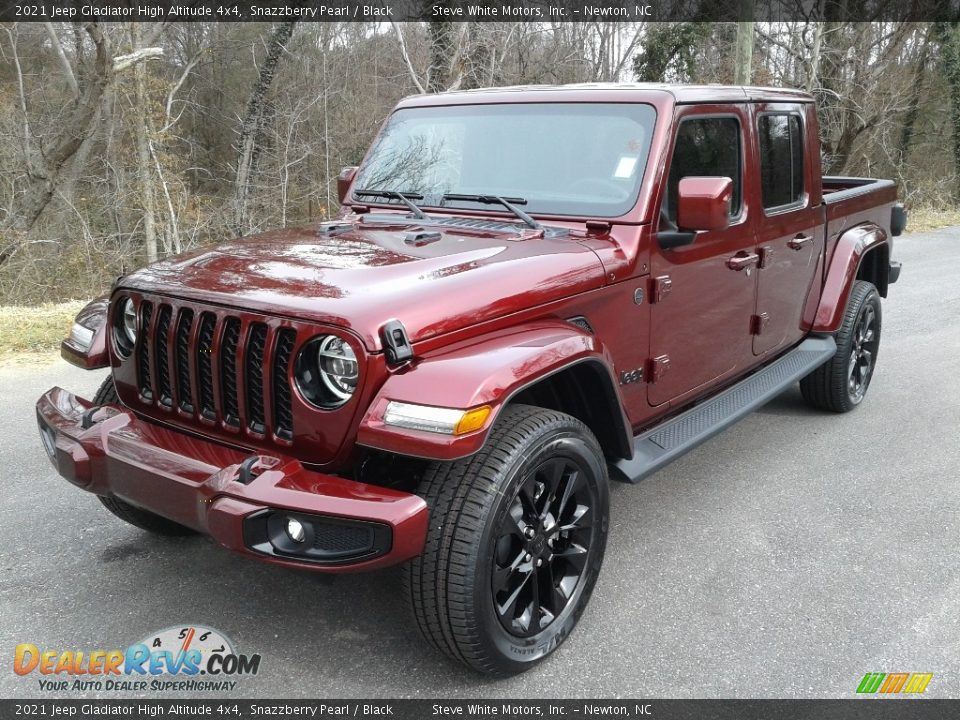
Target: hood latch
x=396 y=343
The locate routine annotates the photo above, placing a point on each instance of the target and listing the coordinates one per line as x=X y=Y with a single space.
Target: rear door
x=790 y=227
x=701 y=307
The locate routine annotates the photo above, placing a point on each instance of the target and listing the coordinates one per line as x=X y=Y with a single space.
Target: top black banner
x=548 y=11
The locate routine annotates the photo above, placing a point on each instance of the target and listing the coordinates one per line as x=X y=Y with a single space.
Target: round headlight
x=125 y=326
x=129 y=320
x=327 y=371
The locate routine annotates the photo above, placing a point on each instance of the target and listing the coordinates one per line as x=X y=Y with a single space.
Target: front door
x=701 y=301
x=790 y=227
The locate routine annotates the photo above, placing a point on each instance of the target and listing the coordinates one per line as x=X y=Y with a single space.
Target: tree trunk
x=913 y=107
x=253 y=122
x=814 y=66
x=144 y=171
x=744 y=53
x=441 y=55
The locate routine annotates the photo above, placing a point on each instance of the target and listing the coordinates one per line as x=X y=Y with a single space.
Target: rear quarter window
x=781 y=159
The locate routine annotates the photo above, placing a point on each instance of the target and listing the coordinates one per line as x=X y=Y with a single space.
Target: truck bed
x=846 y=196
x=852 y=201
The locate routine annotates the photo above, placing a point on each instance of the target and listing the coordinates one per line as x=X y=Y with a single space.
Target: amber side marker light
x=446 y=421
x=472 y=420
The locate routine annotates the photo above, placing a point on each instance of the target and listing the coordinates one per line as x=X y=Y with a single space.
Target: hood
x=371 y=272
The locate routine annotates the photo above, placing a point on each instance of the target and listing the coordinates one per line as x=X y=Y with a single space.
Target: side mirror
x=344 y=180
x=703 y=203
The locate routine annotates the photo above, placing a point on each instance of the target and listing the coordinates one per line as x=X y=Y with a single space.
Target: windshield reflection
x=584 y=159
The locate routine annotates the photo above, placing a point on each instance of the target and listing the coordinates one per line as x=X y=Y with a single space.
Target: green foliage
x=948 y=35
x=670 y=51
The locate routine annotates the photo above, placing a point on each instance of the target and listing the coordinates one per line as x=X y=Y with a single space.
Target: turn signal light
x=472 y=420
x=447 y=421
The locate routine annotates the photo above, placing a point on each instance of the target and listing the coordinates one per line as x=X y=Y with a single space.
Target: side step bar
x=666 y=442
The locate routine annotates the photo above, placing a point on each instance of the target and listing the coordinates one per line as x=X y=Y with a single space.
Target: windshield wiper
x=403 y=197
x=497 y=200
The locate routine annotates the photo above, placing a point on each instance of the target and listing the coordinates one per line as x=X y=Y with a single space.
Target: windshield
x=561 y=158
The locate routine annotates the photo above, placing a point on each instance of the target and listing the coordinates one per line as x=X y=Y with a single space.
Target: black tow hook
x=86 y=420
x=246 y=474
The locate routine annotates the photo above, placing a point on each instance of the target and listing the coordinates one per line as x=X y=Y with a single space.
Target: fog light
x=295 y=530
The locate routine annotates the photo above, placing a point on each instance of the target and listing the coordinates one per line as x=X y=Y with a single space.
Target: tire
x=491 y=520
x=107 y=395
x=841 y=383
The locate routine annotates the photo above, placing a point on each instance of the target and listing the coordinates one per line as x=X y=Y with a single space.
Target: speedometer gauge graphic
x=180 y=639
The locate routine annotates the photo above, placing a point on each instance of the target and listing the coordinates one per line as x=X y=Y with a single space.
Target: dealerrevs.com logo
x=191 y=658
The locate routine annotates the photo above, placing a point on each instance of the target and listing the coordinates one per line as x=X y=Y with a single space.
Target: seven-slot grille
x=217 y=367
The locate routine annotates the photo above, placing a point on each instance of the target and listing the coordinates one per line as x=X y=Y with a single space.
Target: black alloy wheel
x=841 y=383
x=543 y=544
x=866 y=342
x=515 y=543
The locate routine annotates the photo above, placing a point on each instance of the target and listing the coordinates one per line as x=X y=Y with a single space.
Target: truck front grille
x=255 y=352
x=282 y=414
x=184 y=384
x=205 y=365
x=163 y=359
x=143 y=353
x=216 y=367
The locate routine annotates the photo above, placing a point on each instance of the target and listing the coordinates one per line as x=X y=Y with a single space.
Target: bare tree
x=253 y=121
x=225 y=129
x=46 y=158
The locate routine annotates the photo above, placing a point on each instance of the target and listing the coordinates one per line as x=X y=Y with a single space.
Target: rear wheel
x=517 y=535
x=107 y=395
x=841 y=383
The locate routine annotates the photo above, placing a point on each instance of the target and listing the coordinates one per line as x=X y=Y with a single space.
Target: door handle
x=800 y=241
x=742 y=262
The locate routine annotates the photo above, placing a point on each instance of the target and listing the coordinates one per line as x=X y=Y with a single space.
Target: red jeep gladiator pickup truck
x=528 y=292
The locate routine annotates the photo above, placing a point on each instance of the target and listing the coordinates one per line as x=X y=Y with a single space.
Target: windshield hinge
x=598 y=227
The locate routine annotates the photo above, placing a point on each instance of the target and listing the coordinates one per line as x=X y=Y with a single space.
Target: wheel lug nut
x=530 y=532
x=528 y=557
x=539 y=562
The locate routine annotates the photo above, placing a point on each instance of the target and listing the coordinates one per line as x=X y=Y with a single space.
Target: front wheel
x=841 y=383
x=143 y=519
x=516 y=538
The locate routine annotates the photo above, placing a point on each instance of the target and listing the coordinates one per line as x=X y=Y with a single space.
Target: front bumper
x=239 y=501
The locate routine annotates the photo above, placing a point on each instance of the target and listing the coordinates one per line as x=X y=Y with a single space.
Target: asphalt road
x=784 y=558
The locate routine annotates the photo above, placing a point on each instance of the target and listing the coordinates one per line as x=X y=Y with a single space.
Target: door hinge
x=660 y=287
x=657 y=368
x=765 y=253
x=758 y=323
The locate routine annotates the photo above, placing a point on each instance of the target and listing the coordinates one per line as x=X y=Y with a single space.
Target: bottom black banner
x=640 y=709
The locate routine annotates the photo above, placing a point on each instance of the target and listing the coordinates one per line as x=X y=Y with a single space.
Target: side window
x=705 y=147
x=781 y=160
